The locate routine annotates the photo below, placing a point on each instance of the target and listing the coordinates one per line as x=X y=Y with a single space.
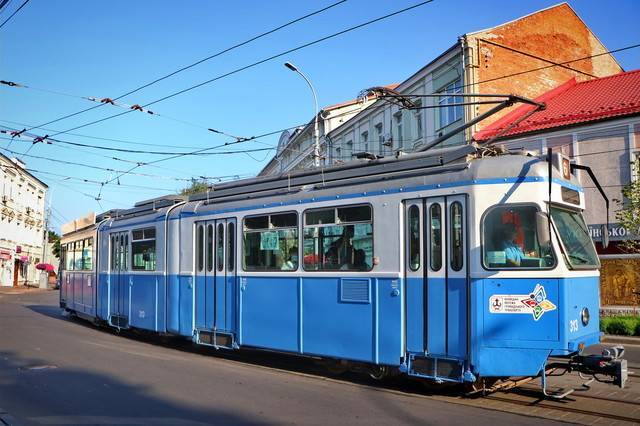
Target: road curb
x=629 y=340
x=7 y=420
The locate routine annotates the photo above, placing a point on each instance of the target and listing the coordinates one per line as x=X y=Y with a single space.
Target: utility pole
x=45 y=240
x=316 y=133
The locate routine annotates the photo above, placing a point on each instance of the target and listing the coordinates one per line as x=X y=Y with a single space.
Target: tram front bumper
x=610 y=363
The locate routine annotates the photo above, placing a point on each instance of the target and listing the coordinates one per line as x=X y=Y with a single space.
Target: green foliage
x=621 y=325
x=629 y=214
x=54 y=238
x=195 y=187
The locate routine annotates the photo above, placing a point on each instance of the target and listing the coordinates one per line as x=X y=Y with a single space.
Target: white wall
x=22 y=206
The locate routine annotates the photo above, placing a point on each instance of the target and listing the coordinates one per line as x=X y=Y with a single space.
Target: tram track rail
x=607 y=408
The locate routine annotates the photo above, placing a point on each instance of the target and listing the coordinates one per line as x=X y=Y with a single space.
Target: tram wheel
x=337 y=367
x=378 y=372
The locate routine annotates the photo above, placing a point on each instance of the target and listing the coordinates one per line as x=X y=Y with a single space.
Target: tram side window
x=435 y=238
x=270 y=242
x=457 y=244
x=510 y=239
x=338 y=239
x=87 y=255
x=414 y=238
x=143 y=249
x=231 y=238
x=78 y=255
x=69 y=257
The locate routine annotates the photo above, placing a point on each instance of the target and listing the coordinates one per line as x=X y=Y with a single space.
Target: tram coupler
x=610 y=363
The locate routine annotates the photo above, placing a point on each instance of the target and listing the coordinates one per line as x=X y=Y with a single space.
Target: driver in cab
x=513 y=252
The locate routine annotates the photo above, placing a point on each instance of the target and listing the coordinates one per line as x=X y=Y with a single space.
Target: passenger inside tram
x=292 y=261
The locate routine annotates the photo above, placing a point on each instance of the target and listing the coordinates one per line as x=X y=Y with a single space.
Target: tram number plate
x=573 y=326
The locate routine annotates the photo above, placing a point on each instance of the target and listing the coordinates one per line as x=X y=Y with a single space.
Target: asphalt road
x=54 y=371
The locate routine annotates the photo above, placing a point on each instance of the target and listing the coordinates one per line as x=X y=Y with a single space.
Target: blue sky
x=104 y=49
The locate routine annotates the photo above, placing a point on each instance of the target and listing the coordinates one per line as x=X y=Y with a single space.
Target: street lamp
x=316 y=135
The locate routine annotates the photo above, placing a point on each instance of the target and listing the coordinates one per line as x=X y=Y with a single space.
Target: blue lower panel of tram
x=519 y=323
x=79 y=293
x=446 y=317
x=180 y=305
x=349 y=318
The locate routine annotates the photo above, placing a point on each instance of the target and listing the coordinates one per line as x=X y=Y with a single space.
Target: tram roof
x=364 y=171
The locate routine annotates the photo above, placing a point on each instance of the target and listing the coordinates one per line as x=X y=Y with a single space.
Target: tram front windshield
x=576 y=240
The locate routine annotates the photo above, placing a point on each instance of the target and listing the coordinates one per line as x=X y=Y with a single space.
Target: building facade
x=296 y=148
x=597 y=124
x=527 y=57
x=22 y=223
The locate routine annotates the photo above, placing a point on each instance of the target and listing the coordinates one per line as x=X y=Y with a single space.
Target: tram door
x=215 y=274
x=436 y=276
x=118 y=283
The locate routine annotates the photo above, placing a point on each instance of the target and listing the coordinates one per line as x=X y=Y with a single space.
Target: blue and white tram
x=442 y=265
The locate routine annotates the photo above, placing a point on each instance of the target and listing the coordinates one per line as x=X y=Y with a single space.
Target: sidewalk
x=20 y=290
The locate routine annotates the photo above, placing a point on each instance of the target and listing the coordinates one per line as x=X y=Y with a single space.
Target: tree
x=195 y=187
x=54 y=238
x=629 y=215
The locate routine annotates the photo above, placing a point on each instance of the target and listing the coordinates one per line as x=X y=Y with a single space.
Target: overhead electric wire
x=254 y=64
x=132 y=151
x=91 y=166
x=124 y=141
x=92 y=197
x=127 y=107
x=12 y=15
x=59 y=213
x=219 y=53
x=3 y=6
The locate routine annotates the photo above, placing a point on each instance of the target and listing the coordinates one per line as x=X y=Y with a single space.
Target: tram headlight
x=584 y=315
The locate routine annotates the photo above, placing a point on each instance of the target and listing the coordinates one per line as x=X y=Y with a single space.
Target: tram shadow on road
x=295 y=364
x=34 y=392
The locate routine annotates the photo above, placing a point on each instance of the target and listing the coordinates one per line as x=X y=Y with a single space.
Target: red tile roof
x=574 y=103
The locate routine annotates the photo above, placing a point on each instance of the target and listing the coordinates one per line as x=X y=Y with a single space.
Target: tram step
x=119 y=321
x=217 y=339
x=436 y=368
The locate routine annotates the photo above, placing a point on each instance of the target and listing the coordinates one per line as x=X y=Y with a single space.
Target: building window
x=399 y=134
x=379 y=136
x=271 y=242
x=348 y=150
x=635 y=166
x=364 y=140
x=143 y=249
x=338 y=239
x=418 y=113
x=451 y=113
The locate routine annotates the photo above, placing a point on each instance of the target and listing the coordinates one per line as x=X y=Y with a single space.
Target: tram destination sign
x=617 y=232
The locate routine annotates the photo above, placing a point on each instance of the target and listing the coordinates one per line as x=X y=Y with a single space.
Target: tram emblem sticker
x=534 y=303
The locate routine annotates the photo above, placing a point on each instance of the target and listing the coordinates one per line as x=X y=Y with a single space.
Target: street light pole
x=316 y=132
